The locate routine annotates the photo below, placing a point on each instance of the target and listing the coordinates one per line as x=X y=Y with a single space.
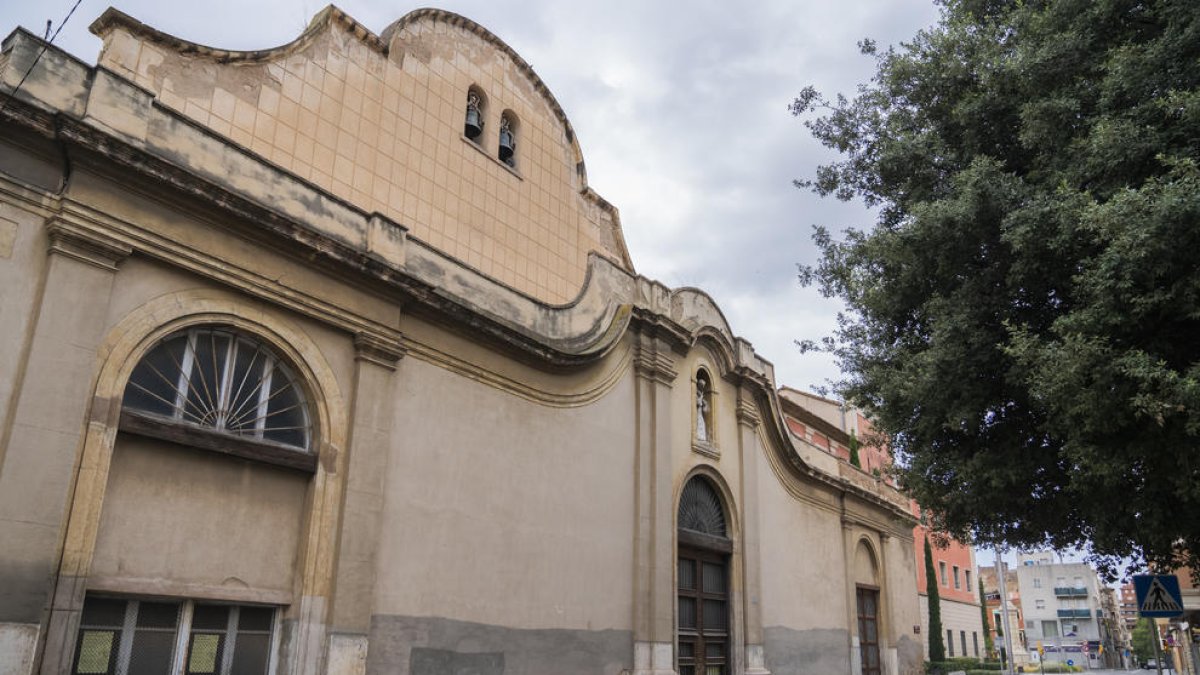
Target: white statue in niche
x=702 y=408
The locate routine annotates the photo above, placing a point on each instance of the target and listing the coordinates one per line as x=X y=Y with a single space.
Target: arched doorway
x=702 y=617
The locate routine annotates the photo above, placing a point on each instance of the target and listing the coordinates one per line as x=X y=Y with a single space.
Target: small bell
x=507 y=143
x=474 y=124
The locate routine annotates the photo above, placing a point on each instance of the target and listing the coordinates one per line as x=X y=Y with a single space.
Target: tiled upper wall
x=378 y=121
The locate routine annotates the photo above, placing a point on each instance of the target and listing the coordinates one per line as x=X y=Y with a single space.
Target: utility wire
x=37 y=58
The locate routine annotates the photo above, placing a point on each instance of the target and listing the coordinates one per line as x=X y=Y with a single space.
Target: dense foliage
x=937 y=648
x=1142 y=640
x=1024 y=318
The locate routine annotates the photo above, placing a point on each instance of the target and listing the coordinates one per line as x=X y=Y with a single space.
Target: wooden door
x=703 y=612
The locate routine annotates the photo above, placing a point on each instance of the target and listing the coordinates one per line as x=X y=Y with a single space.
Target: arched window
x=476 y=108
x=703 y=581
x=507 y=149
x=218 y=379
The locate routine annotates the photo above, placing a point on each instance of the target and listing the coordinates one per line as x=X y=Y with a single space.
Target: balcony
x=1069 y=592
x=1074 y=614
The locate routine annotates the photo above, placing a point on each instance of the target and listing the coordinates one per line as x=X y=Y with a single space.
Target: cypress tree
x=988 y=644
x=937 y=649
x=854 y=450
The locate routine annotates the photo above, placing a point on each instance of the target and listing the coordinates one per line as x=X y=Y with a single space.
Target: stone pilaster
x=371 y=428
x=45 y=434
x=748 y=423
x=654 y=555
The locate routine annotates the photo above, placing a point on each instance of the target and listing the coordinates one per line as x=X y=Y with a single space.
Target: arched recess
x=868 y=608
x=141 y=331
x=707 y=607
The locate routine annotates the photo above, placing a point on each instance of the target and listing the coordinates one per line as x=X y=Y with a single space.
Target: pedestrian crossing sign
x=1158 y=595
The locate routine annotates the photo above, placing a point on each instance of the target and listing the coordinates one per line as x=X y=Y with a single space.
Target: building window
x=967 y=575
x=975 y=643
x=1037 y=583
x=144 y=637
x=942 y=573
x=476 y=108
x=962 y=640
x=1049 y=629
x=1039 y=604
x=957 y=583
x=868 y=630
x=203 y=385
x=507 y=148
x=950 y=641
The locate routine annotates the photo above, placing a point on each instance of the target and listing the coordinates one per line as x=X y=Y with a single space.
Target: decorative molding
x=706 y=448
x=747 y=412
x=652 y=358
x=86 y=244
x=378 y=349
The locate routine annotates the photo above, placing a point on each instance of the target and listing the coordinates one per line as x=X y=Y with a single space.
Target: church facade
x=326 y=359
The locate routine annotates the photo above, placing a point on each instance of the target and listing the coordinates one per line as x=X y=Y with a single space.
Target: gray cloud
x=681 y=111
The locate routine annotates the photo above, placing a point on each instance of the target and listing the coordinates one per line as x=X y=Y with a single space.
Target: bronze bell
x=474 y=125
x=507 y=143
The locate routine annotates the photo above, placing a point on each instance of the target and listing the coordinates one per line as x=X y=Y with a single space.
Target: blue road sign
x=1158 y=596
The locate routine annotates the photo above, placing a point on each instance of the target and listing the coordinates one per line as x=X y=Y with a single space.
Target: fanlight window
x=700 y=509
x=219 y=379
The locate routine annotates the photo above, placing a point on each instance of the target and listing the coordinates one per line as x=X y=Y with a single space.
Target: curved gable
x=377 y=121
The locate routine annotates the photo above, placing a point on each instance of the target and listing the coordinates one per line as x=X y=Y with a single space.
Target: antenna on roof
x=49 y=40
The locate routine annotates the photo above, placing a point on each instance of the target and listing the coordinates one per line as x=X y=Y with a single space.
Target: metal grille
x=219 y=379
x=700 y=509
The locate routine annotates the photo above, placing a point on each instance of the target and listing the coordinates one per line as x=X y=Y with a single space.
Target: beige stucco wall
x=505 y=511
x=185 y=522
x=378 y=121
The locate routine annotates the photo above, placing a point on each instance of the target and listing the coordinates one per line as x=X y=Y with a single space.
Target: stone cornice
x=377 y=349
x=85 y=244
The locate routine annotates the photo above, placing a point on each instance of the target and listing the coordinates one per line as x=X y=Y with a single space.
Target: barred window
x=120 y=636
x=219 y=379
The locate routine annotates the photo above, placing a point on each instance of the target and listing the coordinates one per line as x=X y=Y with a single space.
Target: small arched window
x=475 y=114
x=507 y=150
x=219 y=379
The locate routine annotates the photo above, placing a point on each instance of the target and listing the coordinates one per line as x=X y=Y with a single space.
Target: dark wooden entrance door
x=868 y=630
x=703 y=612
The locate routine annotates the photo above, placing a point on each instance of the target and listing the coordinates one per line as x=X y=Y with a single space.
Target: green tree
x=1143 y=640
x=988 y=646
x=1022 y=317
x=937 y=648
x=854 y=459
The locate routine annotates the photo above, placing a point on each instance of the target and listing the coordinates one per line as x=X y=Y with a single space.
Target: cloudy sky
x=680 y=109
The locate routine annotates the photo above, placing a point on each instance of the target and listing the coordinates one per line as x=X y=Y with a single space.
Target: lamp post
x=1004 y=613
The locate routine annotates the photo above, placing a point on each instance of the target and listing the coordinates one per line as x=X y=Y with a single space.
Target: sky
x=680 y=109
